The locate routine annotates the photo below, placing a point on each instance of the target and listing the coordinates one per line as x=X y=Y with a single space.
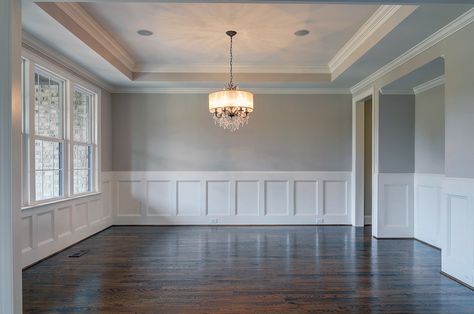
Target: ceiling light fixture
x=302 y=32
x=144 y=32
x=231 y=107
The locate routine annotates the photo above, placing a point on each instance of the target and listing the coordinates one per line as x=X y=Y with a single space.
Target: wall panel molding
x=395 y=216
x=457 y=254
x=428 y=194
x=50 y=228
x=215 y=198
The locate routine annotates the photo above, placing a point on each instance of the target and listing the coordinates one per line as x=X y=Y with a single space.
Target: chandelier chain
x=231 y=84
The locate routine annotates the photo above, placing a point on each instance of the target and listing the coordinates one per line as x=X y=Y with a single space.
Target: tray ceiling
x=189 y=49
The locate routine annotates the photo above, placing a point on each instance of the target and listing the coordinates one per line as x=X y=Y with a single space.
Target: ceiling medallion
x=231 y=107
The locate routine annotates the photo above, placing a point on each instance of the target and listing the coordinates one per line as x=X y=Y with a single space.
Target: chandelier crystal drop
x=231 y=107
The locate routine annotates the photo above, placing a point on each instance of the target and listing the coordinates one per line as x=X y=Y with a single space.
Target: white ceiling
x=193 y=35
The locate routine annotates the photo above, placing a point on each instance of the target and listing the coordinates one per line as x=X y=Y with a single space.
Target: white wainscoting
x=49 y=228
x=202 y=198
x=428 y=195
x=458 y=229
x=395 y=216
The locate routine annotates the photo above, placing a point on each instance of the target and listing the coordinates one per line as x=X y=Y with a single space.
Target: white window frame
x=92 y=142
x=32 y=136
x=33 y=61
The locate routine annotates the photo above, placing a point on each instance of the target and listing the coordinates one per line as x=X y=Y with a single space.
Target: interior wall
x=290 y=165
x=171 y=132
x=429 y=164
x=457 y=186
x=429 y=131
x=460 y=105
x=368 y=158
x=396 y=134
x=50 y=227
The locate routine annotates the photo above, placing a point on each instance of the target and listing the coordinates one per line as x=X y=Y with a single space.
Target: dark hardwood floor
x=244 y=270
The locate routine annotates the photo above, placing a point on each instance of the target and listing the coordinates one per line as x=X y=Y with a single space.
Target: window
x=48 y=139
x=59 y=140
x=82 y=148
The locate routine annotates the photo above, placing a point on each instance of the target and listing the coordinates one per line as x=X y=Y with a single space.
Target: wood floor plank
x=243 y=270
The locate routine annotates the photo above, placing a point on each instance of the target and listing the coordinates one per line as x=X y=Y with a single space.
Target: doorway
x=363 y=159
x=368 y=161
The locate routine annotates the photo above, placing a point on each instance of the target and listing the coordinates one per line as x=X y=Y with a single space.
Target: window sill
x=62 y=200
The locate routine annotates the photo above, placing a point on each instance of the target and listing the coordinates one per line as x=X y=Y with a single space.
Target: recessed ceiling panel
x=187 y=35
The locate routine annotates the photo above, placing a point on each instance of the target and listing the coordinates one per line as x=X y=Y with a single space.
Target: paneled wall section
x=458 y=229
x=50 y=228
x=395 y=216
x=175 y=198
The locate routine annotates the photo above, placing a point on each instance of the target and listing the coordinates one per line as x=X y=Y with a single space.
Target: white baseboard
x=367 y=220
x=47 y=229
x=202 y=198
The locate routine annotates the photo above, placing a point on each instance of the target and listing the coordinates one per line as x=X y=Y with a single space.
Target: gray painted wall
x=457 y=51
x=170 y=132
x=459 y=110
x=397 y=134
x=106 y=130
x=429 y=131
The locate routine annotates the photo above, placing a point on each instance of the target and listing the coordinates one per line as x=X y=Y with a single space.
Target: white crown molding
x=379 y=22
x=448 y=30
x=195 y=90
x=240 y=68
x=35 y=46
x=376 y=20
x=429 y=85
x=81 y=17
x=77 y=13
x=397 y=92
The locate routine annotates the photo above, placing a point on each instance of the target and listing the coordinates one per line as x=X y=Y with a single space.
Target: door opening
x=367 y=161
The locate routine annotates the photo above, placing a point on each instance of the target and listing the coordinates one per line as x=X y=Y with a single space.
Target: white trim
x=428 y=190
x=376 y=22
x=429 y=85
x=49 y=228
x=367 y=220
x=232 y=197
x=395 y=216
x=10 y=157
x=397 y=92
x=32 y=46
x=456 y=25
x=94 y=29
x=197 y=90
x=239 y=68
x=375 y=160
x=357 y=173
x=457 y=229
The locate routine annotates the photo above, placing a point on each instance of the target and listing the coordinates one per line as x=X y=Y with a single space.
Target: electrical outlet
x=214 y=221
x=320 y=220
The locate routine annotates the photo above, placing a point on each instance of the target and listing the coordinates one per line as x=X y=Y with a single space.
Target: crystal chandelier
x=231 y=107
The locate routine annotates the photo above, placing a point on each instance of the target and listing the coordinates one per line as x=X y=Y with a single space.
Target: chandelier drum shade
x=231 y=107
